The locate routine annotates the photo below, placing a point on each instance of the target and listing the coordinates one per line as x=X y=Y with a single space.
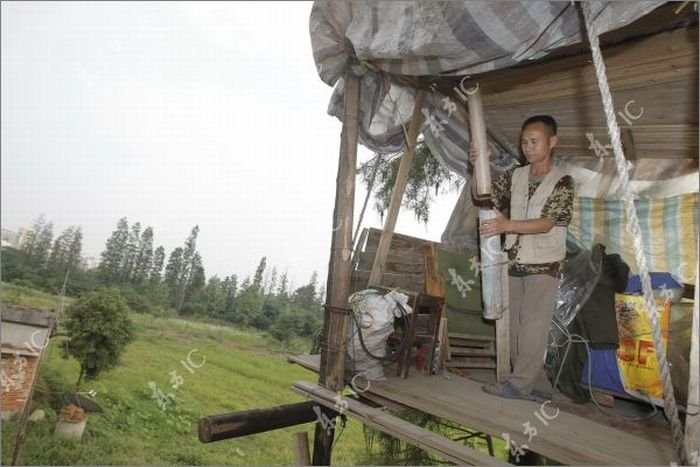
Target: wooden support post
x=301 y=448
x=692 y=420
x=332 y=370
x=375 y=277
x=503 y=346
x=434 y=283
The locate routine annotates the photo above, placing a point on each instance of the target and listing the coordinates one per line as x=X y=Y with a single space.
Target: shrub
x=99 y=330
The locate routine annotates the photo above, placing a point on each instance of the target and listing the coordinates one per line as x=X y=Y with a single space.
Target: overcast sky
x=176 y=114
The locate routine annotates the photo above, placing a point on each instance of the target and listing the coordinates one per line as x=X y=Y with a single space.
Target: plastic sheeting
x=430 y=38
x=579 y=276
x=375 y=314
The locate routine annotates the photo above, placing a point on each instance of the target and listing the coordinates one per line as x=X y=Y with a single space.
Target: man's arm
x=557 y=211
x=500 y=225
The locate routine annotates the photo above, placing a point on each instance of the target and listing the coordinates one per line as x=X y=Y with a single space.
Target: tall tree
x=249 y=303
x=29 y=243
x=282 y=290
x=65 y=253
x=215 y=298
x=75 y=249
x=173 y=271
x=112 y=258
x=133 y=247
x=59 y=251
x=37 y=248
x=197 y=279
x=158 y=260
x=144 y=258
x=305 y=296
x=43 y=246
x=322 y=295
x=258 y=277
x=230 y=286
x=189 y=259
x=273 y=282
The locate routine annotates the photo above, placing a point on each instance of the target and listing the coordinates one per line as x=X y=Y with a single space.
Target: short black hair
x=546 y=120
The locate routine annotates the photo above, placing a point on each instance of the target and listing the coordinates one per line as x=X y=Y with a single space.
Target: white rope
x=633 y=227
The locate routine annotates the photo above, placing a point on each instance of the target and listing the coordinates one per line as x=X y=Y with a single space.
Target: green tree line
x=133 y=264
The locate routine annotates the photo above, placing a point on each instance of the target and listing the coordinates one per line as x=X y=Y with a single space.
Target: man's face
x=536 y=142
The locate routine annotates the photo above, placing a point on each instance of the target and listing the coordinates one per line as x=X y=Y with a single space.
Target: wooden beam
x=249 y=422
x=399 y=189
x=332 y=374
x=398 y=428
x=434 y=283
x=628 y=144
x=692 y=420
x=301 y=448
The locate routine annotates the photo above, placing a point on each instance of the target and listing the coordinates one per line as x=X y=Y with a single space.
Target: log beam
x=250 y=422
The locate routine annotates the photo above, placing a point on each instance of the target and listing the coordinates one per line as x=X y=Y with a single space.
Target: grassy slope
x=243 y=370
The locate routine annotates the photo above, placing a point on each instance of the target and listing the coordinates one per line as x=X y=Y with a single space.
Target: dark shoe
x=507 y=390
x=541 y=396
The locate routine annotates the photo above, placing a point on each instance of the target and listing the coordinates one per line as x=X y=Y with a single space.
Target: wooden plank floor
x=384 y=421
x=567 y=438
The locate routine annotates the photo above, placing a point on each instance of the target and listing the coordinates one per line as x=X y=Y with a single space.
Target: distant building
x=25 y=333
x=10 y=238
x=90 y=262
x=24 y=235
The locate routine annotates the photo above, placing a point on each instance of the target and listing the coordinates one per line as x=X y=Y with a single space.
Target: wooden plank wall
x=404 y=264
x=659 y=73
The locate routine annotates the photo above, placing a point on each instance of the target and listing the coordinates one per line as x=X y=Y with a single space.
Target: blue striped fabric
x=669 y=231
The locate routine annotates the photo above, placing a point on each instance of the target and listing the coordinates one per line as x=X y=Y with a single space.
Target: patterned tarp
x=669 y=231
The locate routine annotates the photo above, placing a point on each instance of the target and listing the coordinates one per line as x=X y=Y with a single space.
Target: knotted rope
x=670 y=408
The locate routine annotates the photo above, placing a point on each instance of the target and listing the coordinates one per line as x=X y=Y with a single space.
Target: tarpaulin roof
x=439 y=38
x=383 y=42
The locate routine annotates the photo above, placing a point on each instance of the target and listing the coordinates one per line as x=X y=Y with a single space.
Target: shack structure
x=405 y=69
x=25 y=334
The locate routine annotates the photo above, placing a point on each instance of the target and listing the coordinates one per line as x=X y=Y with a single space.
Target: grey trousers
x=532 y=302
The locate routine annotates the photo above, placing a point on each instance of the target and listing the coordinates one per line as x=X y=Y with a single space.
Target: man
x=539 y=198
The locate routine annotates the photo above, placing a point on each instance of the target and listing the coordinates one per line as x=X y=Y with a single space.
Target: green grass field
x=243 y=370
x=237 y=370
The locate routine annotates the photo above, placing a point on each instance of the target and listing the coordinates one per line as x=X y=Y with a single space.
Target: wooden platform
x=571 y=437
x=388 y=423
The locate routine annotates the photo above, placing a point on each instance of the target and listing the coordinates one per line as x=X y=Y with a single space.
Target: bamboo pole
x=301 y=448
x=375 y=276
x=494 y=277
x=332 y=370
x=477 y=127
x=692 y=421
